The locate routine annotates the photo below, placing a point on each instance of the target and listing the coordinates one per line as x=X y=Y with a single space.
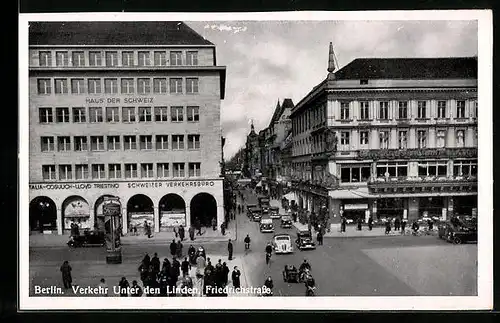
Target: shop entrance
x=172 y=211
x=42 y=214
x=75 y=209
x=203 y=209
x=140 y=209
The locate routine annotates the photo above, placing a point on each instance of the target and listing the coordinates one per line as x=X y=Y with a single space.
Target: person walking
x=173 y=248
x=235 y=277
x=219 y=279
x=319 y=237
x=214 y=223
x=198 y=226
x=397 y=223
x=103 y=288
x=387 y=226
x=166 y=265
x=225 y=274
x=186 y=267
x=124 y=285
x=247 y=242
x=181 y=232
x=360 y=223
x=135 y=290
x=179 y=249
x=343 y=223
x=191 y=232
x=223 y=228
x=66 y=274
x=155 y=263
x=370 y=223
x=403 y=226
x=230 y=249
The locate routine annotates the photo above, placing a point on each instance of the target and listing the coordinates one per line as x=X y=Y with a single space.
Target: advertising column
x=111 y=210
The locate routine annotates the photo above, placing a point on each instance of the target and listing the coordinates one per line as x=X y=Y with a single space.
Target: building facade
x=389 y=137
x=123 y=109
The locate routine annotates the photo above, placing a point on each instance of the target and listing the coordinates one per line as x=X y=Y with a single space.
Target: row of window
x=112 y=114
x=114 y=143
x=110 y=58
x=124 y=85
x=114 y=171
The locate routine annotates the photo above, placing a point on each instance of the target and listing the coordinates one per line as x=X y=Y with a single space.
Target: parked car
x=283 y=243
x=274 y=212
x=266 y=226
x=304 y=240
x=251 y=206
x=256 y=214
x=92 y=238
x=461 y=230
x=286 y=221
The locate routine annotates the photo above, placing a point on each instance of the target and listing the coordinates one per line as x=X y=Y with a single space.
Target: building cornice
x=402 y=89
x=120 y=46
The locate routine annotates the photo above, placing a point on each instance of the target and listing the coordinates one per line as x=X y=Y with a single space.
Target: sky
x=268 y=61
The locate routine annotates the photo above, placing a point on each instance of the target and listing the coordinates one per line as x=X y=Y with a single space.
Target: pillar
x=59 y=222
x=156 y=219
x=220 y=214
x=124 y=220
x=92 y=218
x=451 y=203
x=413 y=208
x=373 y=207
x=188 y=217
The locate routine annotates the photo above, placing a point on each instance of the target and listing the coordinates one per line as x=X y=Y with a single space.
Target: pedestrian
x=360 y=223
x=146 y=227
x=155 y=264
x=176 y=265
x=186 y=267
x=239 y=209
x=225 y=273
x=181 y=232
x=370 y=223
x=397 y=223
x=403 y=226
x=230 y=249
x=219 y=279
x=200 y=266
x=103 y=287
x=343 y=224
x=235 y=276
x=191 y=232
x=173 y=248
x=319 y=237
x=430 y=224
x=247 y=242
x=179 y=249
x=198 y=226
x=223 y=228
x=135 y=290
x=134 y=230
x=144 y=272
x=66 y=274
x=163 y=279
x=124 y=285
x=387 y=226
x=214 y=223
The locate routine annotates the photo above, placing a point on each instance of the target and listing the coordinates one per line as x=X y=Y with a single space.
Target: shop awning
x=359 y=193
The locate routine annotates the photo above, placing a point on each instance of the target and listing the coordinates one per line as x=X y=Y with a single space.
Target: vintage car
x=304 y=240
x=256 y=214
x=290 y=274
x=89 y=238
x=282 y=243
x=251 y=206
x=266 y=226
x=274 y=212
x=286 y=221
x=459 y=231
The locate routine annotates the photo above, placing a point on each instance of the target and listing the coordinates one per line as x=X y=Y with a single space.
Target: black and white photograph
x=292 y=161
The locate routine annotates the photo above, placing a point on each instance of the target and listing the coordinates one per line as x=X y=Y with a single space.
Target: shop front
x=465 y=205
x=392 y=207
x=432 y=206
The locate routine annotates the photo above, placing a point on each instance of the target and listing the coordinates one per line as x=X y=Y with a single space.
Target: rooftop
x=114 y=33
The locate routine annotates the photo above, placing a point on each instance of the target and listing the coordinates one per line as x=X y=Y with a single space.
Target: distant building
x=252 y=154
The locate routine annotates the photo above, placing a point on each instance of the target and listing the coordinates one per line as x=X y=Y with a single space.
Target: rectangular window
x=192 y=58
x=440 y=138
x=460 y=109
x=441 y=106
x=177 y=114
x=344 y=138
x=403 y=139
x=439 y=168
x=383 y=110
x=111 y=86
x=95 y=58
x=130 y=170
x=392 y=169
x=115 y=171
x=465 y=168
x=143 y=86
x=146 y=142
x=422 y=138
x=48 y=144
x=61 y=86
x=363 y=138
x=81 y=143
x=111 y=59
x=128 y=86
x=160 y=58
x=77 y=86
x=81 y=171
x=161 y=114
x=162 y=170
x=177 y=142
x=62 y=59
x=460 y=138
x=364 y=110
x=193 y=141
x=193 y=114
x=95 y=115
x=128 y=114
x=49 y=172
x=44 y=86
x=403 y=110
x=78 y=59
x=62 y=115
x=112 y=114
x=94 y=86
x=46 y=115
x=45 y=58
x=147 y=170
x=179 y=170
x=145 y=114
x=191 y=85
x=97 y=143
x=354 y=174
x=64 y=143
x=129 y=142
x=384 y=139
x=114 y=143
x=344 y=110
x=65 y=172
x=98 y=171
x=176 y=58
x=194 y=169
x=127 y=58
x=160 y=85
x=144 y=58
x=421 y=109
x=162 y=142
x=176 y=85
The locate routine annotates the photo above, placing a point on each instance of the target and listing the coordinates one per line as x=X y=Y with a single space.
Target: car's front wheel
x=457 y=240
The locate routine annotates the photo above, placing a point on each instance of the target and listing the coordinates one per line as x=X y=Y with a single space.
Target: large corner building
x=124 y=109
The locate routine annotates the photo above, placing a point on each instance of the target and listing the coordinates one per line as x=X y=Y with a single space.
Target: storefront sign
x=88 y=186
x=355 y=206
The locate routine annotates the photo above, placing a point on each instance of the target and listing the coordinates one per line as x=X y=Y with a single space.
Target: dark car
x=274 y=212
x=89 y=238
x=286 y=221
x=461 y=230
x=304 y=240
x=290 y=274
x=256 y=214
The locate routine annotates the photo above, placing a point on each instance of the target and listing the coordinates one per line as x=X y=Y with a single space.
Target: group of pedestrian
x=74 y=229
x=215 y=278
x=176 y=248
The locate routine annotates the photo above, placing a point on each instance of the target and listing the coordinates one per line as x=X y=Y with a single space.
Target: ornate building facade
x=389 y=137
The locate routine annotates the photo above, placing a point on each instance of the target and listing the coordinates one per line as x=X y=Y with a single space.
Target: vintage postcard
x=305 y=160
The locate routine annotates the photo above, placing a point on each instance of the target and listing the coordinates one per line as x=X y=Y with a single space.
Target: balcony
x=436 y=184
x=376 y=154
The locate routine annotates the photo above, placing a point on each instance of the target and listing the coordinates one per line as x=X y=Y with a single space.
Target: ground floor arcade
x=162 y=204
